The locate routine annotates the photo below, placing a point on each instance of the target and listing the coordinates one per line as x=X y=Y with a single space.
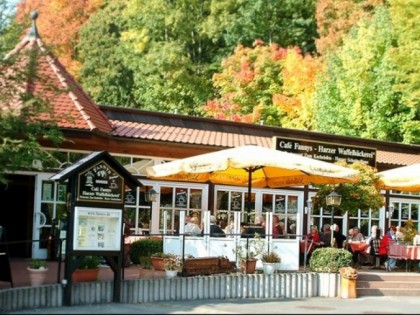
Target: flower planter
x=248 y=266
x=171 y=273
x=270 y=268
x=158 y=263
x=85 y=275
x=37 y=276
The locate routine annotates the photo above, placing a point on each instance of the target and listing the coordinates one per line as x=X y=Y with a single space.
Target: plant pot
x=85 y=275
x=171 y=273
x=248 y=266
x=269 y=268
x=37 y=276
x=158 y=263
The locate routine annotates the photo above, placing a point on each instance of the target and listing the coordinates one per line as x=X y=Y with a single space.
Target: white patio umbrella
x=405 y=178
x=253 y=166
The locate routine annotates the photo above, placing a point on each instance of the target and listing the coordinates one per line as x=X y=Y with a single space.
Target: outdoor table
x=359 y=249
x=404 y=252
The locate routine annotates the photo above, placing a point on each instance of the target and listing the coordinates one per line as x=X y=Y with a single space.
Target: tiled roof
x=72 y=108
x=181 y=129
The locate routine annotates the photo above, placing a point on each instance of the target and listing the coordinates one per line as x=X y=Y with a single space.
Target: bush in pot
x=270 y=262
x=330 y=259
x=141 y=250
x=87 y=270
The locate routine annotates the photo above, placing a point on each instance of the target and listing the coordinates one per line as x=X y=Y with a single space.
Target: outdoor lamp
x=333 y=199
x=151 y=195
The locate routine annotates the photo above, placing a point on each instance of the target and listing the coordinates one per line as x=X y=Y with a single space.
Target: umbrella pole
x=249 y=193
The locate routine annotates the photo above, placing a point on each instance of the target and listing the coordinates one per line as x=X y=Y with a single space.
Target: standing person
x=388 y=239
x=338 y=236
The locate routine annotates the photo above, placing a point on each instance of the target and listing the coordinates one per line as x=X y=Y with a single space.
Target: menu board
x=97 y=229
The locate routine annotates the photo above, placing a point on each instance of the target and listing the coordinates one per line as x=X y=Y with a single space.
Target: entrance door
x=49 y=214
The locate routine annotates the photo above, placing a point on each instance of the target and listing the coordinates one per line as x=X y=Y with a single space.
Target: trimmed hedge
x=141 y=250
x=330 y=259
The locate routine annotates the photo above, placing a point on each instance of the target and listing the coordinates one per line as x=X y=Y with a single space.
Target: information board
x=97 y=229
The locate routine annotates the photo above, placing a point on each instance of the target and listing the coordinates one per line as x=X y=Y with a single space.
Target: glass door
x=49 y=215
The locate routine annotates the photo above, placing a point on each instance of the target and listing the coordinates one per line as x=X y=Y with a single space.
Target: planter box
x=207 y=266
x=85 y=275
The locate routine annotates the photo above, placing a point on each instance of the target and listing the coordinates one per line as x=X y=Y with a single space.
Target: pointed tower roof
x=72 y=108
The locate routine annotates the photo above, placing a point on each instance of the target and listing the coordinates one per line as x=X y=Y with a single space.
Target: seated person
x=356 y=236
x=338 y=236
x=215 y=230
x=313 y=238
x=374 y=245
x=312 y=242
x=192 y=228
x=325 y=238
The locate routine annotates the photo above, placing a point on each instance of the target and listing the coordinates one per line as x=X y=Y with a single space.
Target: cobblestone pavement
x=362 y=305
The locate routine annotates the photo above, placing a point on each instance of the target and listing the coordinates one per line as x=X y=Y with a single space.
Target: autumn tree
x=335 y=18
x=267 y=84
x=59 y=25
x=299 y=73
x=250 y=78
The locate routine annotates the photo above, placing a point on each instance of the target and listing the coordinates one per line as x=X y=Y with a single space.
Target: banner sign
x=327 y=152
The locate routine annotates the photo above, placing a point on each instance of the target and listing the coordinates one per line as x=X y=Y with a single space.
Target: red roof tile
x=72 y=108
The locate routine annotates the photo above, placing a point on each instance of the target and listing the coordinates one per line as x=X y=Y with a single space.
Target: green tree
x=362 y=195
x=104 y=73
x=356 y=95
x=286 y=22
x=404 y=15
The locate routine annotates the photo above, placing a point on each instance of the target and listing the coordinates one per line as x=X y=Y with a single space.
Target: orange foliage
x=336 y=17
x=299 y=73
x=226 y=110
x=58 y=23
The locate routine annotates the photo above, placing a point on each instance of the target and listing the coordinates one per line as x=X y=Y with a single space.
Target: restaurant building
x=138 y=139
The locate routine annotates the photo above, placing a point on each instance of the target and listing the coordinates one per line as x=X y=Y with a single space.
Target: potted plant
x=87 y=270
x=270 y=262
x=248 y=252
x=158 y=260
x=173 y=265
x=38 y=269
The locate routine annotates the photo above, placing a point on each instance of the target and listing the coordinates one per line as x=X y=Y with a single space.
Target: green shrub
x=330 y=259
x=89 y=262
x=38 y=264
x=141 y=250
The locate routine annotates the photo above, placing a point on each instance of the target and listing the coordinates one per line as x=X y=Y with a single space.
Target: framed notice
x=97 y=229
